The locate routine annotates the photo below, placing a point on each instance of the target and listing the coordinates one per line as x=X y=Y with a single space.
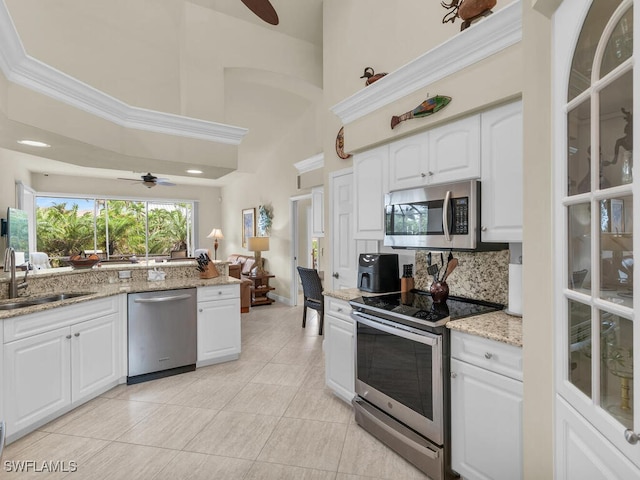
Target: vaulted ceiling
x=119 y=87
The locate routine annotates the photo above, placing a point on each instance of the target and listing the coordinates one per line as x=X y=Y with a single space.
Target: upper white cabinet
x=445 y=154
x=454 y=151
x=370 y=184
x=502 y=174
x=409 y=162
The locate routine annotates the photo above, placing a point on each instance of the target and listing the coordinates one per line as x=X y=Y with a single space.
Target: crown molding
x=20 y=68
x=310 y=164
x=483 y=39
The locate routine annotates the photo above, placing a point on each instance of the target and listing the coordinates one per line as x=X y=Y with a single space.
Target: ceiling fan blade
x=263 y=9
x=130 y=179
x=165 y=182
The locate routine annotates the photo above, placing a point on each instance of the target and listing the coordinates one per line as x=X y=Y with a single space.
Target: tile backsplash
x=479 y=275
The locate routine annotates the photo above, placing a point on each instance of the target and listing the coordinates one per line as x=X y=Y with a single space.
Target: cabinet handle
x=339 y=309
x=488 y=355
x=77 y=334
x=631 y=437
x=431 y=174
x=454 y=374
x=422 y=175
x=484 y=229
x=200 y=310
x=68 y=337
x=219 y=292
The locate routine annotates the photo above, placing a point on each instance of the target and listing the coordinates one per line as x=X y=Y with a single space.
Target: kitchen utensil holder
x=210 y=271
x=439 y=292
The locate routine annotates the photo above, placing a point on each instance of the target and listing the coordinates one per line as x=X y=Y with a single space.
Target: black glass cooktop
x=418 y=305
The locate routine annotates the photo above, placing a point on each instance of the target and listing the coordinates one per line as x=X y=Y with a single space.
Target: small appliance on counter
x=378 y=272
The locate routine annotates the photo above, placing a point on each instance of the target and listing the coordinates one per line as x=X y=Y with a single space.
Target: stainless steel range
x=402 y=373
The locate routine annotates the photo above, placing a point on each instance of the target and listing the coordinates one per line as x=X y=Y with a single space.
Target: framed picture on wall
x=248 y=225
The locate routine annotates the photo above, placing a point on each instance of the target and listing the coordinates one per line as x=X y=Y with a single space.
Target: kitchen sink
x=31 y=301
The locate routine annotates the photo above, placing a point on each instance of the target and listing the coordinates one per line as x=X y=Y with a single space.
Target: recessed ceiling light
x=33 y=143
x=197 y=172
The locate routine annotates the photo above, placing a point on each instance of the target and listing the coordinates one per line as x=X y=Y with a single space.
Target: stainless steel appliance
x=3 y=434
x=378 y=272
x=402 y=373
x=438 y=217
x=162 y=334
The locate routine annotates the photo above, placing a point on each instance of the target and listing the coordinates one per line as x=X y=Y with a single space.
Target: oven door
x=399 y=371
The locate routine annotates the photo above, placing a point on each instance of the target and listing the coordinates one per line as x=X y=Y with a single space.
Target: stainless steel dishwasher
x=162 y=334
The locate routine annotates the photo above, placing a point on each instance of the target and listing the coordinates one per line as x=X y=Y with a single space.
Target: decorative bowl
x=83 y=263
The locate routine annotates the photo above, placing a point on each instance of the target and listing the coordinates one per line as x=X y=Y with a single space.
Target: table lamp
x=258 y=245
x=216 y=233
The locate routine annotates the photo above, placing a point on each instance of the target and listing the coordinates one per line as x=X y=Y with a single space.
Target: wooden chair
x=313 y=298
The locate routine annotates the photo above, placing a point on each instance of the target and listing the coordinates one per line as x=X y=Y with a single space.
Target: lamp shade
x=215 y=233
x=258 y=244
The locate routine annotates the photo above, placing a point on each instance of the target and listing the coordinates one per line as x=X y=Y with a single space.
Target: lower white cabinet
x=339 y=348
x=486 y=409
x=57 y=359
x=218 y=324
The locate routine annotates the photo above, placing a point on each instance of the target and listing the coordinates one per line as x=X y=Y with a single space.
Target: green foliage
x=120 y=228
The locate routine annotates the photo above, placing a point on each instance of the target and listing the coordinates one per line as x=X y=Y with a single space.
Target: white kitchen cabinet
x=409 y=162
x=370 y=175
x=502 y=174
x=58 y=359
x=486 y=408
x=317 y=212
x=218 y=324
x=454 y=151
x=339 y=348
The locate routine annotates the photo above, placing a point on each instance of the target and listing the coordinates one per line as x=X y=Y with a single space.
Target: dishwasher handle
x=173 y=298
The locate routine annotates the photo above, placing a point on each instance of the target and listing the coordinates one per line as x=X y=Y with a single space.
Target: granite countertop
x=498 y=326
x=108 y=289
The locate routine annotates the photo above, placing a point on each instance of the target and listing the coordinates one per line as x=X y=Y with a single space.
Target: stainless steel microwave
x=435 y=217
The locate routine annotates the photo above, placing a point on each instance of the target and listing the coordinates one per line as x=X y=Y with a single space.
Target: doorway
x=303 y=245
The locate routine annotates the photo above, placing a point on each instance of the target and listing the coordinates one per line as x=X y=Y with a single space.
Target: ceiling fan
x=150 y=181
x=263 y=9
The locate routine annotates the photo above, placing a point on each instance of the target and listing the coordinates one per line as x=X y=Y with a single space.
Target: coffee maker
x=378 y=272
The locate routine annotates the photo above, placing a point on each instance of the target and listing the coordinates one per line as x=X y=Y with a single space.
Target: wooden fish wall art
x=467 y=10
x=371 y=76
x=426 y=108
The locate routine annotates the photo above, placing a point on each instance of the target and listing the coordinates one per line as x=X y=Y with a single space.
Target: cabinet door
x=339 y=357
x=317 y=211
x=454 y=151
x=486 y=423
x=408 y=162
x=218 y=330
x=37 y=378
x=370 y=184
x=502 y=174
x=95 y=356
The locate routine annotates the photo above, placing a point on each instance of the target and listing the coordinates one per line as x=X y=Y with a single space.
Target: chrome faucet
x=10 y=262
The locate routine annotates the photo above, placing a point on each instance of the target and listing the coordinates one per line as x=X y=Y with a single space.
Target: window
x=115 y=229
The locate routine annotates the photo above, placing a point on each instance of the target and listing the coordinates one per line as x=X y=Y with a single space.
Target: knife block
x=210 y=271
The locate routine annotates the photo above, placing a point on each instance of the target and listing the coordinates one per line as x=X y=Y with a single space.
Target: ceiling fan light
x=149 y=184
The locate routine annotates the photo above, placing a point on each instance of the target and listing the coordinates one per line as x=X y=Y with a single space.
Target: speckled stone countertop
x=101 y=290
x=498 y=326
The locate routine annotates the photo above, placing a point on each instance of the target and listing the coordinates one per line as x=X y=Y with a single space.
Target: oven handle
x=422 y=337
x=445 y=216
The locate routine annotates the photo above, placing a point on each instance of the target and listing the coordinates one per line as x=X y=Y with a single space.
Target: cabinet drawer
x=494 y=356
x=337 y=308
x=24 y=326
x=218 y=292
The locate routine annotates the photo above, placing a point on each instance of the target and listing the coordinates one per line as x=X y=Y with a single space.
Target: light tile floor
x=265 y=416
